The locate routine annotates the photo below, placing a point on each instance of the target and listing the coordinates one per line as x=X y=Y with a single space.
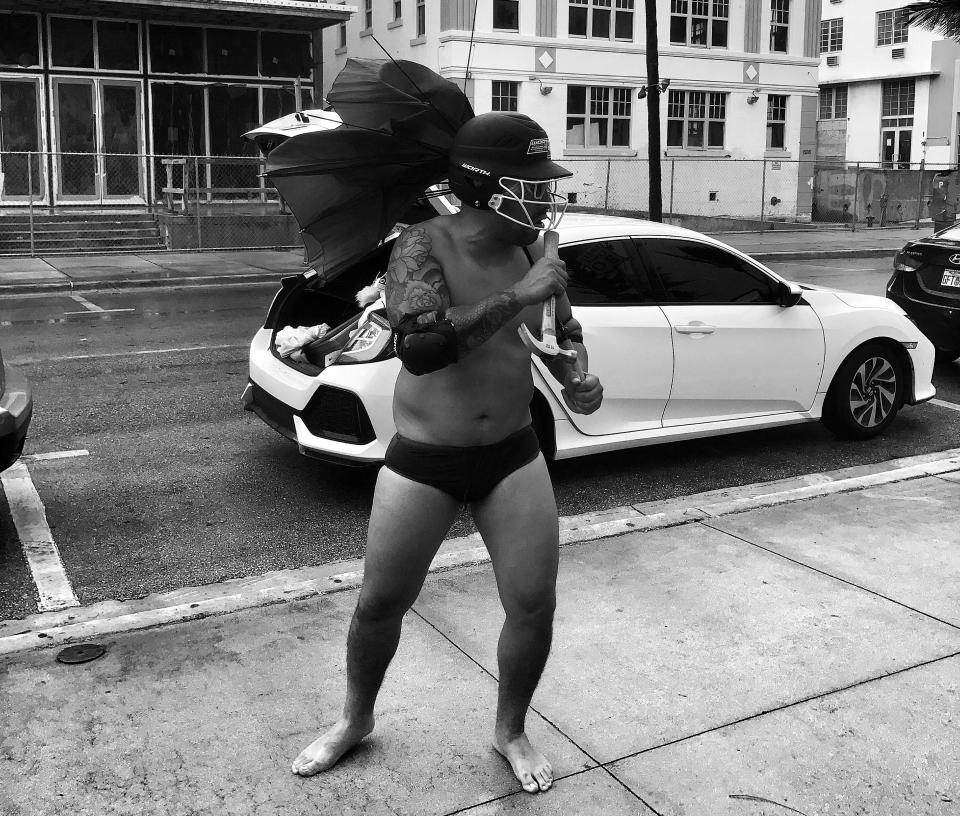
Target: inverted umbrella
x=347 y=187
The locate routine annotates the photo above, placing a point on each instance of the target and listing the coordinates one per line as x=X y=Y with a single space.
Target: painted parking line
x=46 y=457
x=43 y=557
x=114 y=354
x=944 y=404
x=91 y=308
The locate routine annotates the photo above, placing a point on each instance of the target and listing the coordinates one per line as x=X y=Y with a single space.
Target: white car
x=689 y=337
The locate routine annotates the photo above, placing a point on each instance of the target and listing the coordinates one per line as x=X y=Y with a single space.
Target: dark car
x=16 y=408
x=926 y=285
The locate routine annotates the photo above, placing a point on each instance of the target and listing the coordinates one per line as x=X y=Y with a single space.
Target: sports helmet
x=506 y=156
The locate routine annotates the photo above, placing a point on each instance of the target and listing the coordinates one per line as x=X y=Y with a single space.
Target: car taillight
x=906 y=263
x=373 y=340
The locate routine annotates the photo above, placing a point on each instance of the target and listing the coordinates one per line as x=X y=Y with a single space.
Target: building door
x=895 y=148
x=98 y=137
x=20 y=136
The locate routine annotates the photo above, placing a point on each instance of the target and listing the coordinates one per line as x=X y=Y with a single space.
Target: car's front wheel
x=866 y=393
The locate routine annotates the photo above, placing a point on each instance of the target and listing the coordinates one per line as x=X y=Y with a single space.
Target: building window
x=699 y=22
x=776 y=122
x=893 y=26
x=343 y=35
x=779 y=25
x=506 y=15
x=831 y=35
x=397 y=9
x=896 y=123
x=696 y=119
x=833 y=102
x=19 y=40
x=367 y=14
x=601 y=19
x=607 y=121
x=421 y=18
x=504 y=96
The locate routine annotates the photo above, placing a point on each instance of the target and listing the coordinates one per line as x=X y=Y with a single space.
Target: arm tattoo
x=414 y=282
x=415 y=286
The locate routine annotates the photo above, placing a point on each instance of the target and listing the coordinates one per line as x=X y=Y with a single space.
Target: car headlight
x=906 y=263
x=373 y=340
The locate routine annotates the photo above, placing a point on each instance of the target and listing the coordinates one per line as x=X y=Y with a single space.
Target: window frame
x=615 y=9
x=714 y=22
x=712 y=103
x=512 y=96
x=897 y=30
x=833 y=93
x=367 y=15
x=616 y=95
x=648 y=255
x=493 y=9
x=95 y=23
x=397 y=10
x=421 y=15
x=40 y=44
x=777 y=104
x=831 y=36
x=780 y=21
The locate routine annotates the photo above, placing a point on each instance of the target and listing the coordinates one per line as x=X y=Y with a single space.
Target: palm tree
x=938 y=15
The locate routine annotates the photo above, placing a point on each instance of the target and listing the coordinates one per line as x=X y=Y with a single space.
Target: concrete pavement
x=91 y=272
x=791 y=647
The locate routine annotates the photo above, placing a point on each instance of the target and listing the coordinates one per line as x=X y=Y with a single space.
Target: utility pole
x=653 y=113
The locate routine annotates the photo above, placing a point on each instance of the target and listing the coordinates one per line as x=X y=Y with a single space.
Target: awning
x=299 y=15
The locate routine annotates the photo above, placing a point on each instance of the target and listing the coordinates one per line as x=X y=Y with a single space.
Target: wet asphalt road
x=182 y=487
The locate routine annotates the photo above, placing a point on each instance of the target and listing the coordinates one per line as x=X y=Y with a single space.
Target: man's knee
x=379 y=607
x=532 y=608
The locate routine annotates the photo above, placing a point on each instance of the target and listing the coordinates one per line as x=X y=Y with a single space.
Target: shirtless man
x=456 y=290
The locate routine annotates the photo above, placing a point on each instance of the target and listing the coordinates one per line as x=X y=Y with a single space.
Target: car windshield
x=951 y=234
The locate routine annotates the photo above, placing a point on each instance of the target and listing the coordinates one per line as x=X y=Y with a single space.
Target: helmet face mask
x=529 y=197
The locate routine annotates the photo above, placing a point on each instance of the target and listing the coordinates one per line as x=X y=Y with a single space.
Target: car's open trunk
x=305 y=301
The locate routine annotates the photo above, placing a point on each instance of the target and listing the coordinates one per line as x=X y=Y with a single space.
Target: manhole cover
x=81 y=653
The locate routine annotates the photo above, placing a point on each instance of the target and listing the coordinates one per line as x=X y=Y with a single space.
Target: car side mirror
x=788 y=294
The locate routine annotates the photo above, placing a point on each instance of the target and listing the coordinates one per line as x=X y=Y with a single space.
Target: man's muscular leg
x=407 y=525
x=518 y=522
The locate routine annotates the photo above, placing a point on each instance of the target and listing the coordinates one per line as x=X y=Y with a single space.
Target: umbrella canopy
x=347 y=187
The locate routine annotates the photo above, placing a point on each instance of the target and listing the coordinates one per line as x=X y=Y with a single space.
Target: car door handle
x=695 y=328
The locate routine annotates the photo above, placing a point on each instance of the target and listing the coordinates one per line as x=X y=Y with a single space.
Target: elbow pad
x=570 y=330
x=425 y=347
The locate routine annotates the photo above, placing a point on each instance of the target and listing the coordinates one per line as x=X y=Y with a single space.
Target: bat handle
x=548 y=321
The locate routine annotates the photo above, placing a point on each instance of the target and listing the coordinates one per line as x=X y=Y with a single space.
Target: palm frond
x=938 y=15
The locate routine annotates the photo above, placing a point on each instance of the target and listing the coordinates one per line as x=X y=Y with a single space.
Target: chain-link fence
x=101 y=202
x=72 y=202
x=719 y=195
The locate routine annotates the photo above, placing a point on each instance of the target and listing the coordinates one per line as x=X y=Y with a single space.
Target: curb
x=193 y=603
x=143 y=283
x=70 y=285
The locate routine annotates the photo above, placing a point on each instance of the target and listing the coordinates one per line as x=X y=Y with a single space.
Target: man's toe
x=544 y=780
x=529 y=783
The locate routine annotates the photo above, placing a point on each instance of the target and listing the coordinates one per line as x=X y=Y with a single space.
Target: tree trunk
x=653 y=113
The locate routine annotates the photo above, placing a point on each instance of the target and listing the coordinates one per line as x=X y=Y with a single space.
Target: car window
x=697 y=272
x=605 y=272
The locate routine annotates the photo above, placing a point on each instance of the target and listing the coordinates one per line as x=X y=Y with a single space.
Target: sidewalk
x=791 y=647
x=90 y=272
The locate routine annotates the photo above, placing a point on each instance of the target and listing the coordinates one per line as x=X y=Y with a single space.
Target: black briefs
x=468 y=474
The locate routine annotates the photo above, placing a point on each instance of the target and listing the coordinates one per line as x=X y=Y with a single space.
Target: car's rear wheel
x=866 y=393
x=947 y=355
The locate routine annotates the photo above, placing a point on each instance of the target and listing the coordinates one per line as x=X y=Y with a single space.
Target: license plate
x=951 y=279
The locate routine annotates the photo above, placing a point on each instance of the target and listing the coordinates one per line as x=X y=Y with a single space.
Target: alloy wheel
x=873 y=391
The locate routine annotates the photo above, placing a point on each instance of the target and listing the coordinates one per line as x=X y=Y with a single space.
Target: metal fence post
x=916 y=221
x=763 y=191
x=606 y=191
x=673 y=167
x=856 y=192
x=33 y=251
x=196 y=175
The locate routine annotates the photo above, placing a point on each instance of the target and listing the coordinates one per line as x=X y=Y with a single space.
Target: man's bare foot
x=529 y=765
x=326 y=750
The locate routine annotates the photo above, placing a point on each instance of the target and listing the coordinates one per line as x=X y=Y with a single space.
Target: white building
x=889 y=92
x=743 y=86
